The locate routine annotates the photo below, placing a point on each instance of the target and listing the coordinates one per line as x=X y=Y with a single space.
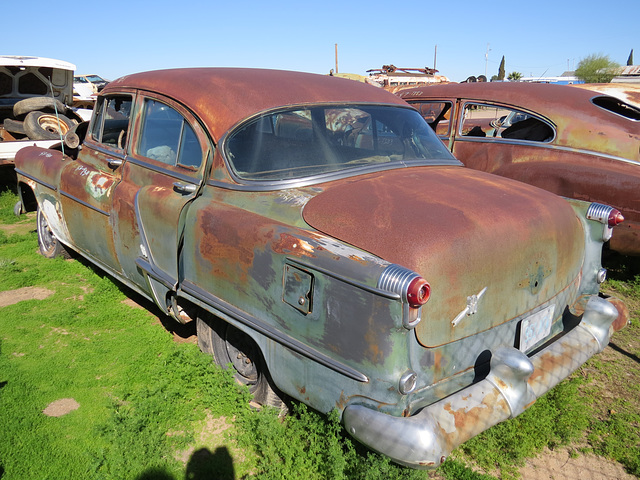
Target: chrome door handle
x=114 y=163
x=184 y=187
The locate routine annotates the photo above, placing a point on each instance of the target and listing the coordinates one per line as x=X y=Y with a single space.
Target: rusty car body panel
x=325 y=222
x=590 y=151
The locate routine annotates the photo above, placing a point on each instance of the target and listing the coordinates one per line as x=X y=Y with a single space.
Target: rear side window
x=617 y=106
x=496 y=121
x=167 y=137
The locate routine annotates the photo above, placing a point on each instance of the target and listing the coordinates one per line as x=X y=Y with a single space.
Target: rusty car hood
x=462 y=230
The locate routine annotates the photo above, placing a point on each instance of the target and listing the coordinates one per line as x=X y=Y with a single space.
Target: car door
x=87 y=185
x=496 y=138
x=162 y=175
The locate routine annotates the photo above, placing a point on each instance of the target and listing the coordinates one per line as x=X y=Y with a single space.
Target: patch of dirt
x=559 y=465
x=22 y=227
x=211 y=434
x=61 y=407
x=11 y=297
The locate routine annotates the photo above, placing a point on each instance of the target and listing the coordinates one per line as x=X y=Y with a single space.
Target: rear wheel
x=228 y=345
x=50 y=246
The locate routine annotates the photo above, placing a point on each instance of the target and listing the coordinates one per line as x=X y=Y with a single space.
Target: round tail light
x=418 y=292
x=615 y=218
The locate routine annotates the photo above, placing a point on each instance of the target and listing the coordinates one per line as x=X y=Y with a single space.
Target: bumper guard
x=515 y=381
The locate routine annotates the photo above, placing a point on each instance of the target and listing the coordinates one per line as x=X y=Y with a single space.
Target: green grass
x=154 y=408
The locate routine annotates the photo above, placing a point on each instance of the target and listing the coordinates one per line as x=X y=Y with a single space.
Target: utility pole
x=486 y=60
x=336 y=57
x=435 y=56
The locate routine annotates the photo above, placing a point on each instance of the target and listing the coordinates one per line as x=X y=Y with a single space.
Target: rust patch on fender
x=289 y=244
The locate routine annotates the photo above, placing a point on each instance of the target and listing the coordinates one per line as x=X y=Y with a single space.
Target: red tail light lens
x=615 y=218
x=418 y=292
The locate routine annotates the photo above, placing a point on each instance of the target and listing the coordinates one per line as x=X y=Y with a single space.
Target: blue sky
x=117 y=37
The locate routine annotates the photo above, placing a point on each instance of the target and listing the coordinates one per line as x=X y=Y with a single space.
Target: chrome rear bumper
x=515 y=381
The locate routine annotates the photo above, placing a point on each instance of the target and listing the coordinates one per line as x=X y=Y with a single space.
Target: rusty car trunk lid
x=520 y=243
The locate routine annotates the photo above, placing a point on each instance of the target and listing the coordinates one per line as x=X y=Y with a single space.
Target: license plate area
x=535 y=328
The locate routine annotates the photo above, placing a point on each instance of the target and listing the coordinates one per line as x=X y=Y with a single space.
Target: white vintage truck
x=36 y=103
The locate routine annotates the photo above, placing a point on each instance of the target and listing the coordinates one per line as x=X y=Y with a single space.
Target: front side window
x=111 y=120
x=167 y=137
x=495 y=121
x=301 y=142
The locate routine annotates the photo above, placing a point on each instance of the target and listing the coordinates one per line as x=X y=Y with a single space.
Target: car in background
x=36 y=103
x=578 y=141
x=95 y=82
x=331 y=249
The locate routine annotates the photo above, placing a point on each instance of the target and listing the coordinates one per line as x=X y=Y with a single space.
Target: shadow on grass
x=633 y=357
x=620 y=267
x=203 y=465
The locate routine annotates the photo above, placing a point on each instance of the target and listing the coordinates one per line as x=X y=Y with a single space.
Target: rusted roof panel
x=221 y=97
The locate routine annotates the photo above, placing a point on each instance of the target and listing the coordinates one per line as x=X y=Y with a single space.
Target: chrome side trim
x=544 y=145
x=362 y=286
x=85 y=204
x=269 y=331
x=396 y=279
x=38 y=181
x=274 y=185
x=110 y=152
x=600 y=213
x=425 y=439
x=157 y=274
x=164 y=171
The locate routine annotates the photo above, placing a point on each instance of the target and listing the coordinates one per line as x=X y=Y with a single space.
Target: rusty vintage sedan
x=330 y=248
x=576 y=141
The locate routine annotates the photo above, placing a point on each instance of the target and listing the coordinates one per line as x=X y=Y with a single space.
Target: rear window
x=308 y=141
x=617 y=106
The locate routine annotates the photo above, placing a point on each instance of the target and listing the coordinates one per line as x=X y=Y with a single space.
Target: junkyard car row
x=329 y=246
x=576 y=141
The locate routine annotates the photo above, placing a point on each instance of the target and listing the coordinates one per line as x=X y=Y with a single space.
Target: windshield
x=315 y=140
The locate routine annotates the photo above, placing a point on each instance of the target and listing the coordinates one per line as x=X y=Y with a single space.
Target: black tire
x=50 y=246
x=228 y=345
x=32 y=104
x=13 y=126
x=46 y=126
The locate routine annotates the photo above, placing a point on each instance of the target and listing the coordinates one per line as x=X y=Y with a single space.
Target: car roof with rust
x=552 y=101
x=542 y=97
x=222 y=97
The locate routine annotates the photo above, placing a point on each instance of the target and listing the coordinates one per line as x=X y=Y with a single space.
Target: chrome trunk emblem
x=471 y=308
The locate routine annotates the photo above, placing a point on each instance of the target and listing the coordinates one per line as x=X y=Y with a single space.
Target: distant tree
x=514 y=76
x=630 y=59
x=501 y=70
x=494 y=78
x=597 y=69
